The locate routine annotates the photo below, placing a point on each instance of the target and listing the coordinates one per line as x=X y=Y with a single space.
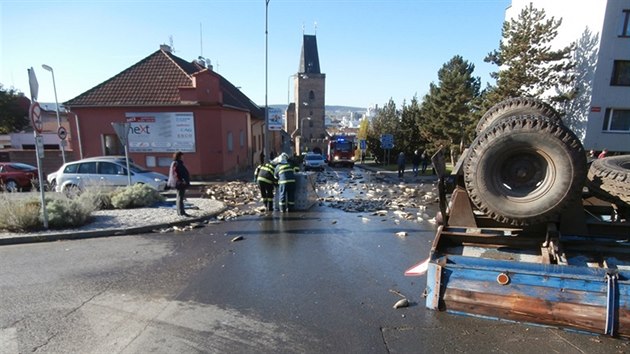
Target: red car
x=17 y=176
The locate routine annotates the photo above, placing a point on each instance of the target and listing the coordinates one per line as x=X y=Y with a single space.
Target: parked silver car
x=313 y=161
x=103 y=172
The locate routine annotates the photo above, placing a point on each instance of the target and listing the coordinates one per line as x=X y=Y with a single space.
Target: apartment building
x=600 y=114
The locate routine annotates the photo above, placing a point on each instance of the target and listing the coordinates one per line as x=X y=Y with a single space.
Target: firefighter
x=264 y=176
x=285 y=174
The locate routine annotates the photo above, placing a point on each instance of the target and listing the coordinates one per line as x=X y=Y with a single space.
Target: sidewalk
x=392 y=176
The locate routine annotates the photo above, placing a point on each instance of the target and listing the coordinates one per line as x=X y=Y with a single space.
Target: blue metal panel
x=590 y=293
x=433 y=286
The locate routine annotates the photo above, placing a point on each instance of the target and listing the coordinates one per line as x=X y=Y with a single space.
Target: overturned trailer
x=519 y=239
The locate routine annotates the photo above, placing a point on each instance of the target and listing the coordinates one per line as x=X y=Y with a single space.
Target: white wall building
x=600 y=114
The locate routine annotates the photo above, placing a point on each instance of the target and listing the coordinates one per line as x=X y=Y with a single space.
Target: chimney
x=165 y=47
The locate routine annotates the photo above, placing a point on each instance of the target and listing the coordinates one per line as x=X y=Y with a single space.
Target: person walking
x=415 y=161
x=179 y=179
x=425 y=161
x=264 y=176
x=262 y=157
x=401 y=164
x=285 y=174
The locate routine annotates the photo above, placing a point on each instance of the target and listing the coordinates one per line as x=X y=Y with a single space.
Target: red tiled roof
x=155 y=81
x=152 y=81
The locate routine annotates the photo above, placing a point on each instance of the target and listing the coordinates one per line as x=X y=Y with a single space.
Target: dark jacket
x=285 y=173
x=178 y=176
x=416 y=159
x=265 y=173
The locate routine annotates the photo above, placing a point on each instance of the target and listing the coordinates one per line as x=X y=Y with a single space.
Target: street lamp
x=49 y=68
x=266 y=131
x=289 y=88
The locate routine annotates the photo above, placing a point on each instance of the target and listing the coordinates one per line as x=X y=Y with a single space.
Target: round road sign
x=62 y=133
x=35 y=113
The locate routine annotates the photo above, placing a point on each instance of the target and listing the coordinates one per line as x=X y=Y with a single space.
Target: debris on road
x=237 y=238
x=401 y=303
x=401 y=234
x=351 y=191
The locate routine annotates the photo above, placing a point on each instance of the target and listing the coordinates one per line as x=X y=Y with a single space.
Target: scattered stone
x=401 y=303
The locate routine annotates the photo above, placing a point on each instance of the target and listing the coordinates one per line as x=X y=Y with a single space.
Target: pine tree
x=13 y=117
x=409 y=137
x=527 y=65
x=386 y=121
x=449 y=109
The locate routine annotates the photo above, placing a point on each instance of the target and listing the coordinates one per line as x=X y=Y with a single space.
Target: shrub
x=101 y=199
x=68 y=213
x=20 y=215
x=135 y=196
x=22 y=212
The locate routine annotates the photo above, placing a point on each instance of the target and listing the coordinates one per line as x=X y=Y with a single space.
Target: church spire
x=309 y=60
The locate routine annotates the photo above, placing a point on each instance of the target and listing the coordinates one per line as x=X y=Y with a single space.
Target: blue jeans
x=286 y=198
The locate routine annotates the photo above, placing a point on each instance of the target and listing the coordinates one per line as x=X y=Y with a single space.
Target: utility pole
x=266 y=125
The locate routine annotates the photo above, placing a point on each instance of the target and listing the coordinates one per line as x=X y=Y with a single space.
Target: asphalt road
x=318 y=281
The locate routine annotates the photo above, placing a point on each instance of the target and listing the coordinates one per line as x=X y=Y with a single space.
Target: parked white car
x=103 y=172
x=314 y=161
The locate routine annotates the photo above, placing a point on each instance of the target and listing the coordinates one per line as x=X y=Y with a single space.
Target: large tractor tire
x=609 y=178
x=515 y=107
x=525 y=170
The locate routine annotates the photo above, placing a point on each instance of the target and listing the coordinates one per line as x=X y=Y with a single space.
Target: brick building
x=170 y=105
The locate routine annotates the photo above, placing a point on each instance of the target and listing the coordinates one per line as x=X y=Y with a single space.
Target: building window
x=230 y=142
x=112 y=145
x=242 y=138
x=150 y=161
x=617 y=120
x=621 y=73
x=625 y=24
x=164 y=161
x=311 y=95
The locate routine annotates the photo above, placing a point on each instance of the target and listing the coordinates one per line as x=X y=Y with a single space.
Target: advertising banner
x=161 y=132
x=275 y=119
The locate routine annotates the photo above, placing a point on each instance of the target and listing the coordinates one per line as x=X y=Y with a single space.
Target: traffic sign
x=122 y=130
x=39 y=145
x=62 y=133
x=35 y=113
x=32 y=83
x=387 y=141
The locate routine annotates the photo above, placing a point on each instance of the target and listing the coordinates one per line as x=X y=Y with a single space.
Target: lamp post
x=266 y=130
x=62 y=142
x=289 y=88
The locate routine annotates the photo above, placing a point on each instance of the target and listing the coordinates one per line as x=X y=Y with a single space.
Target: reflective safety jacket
x=265 y=173
x=285 y=173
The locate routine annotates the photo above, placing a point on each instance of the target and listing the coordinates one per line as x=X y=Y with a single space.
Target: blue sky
x=370 y=50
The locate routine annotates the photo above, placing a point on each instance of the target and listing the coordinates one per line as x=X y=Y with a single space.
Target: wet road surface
x=316 y=281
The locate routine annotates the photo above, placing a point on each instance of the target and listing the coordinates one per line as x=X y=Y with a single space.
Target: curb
x=103 y=233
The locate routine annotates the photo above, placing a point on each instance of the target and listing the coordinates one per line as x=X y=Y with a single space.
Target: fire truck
x=341 y=151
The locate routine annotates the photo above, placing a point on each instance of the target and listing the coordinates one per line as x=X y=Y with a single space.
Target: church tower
x=307 y=125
